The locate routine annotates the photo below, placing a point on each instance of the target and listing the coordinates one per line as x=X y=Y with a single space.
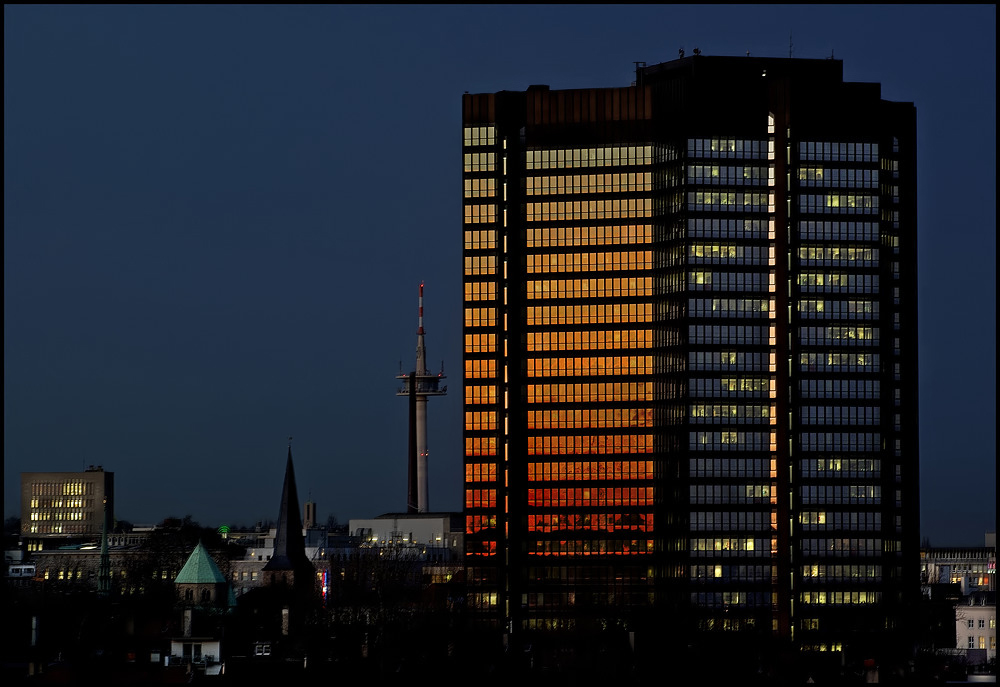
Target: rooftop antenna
x=638 y=74
x=789 y=45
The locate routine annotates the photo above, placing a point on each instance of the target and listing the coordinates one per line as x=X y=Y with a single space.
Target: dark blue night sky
x=216 y=220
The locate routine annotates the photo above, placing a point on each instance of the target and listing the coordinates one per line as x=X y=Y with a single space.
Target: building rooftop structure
x=438 y=536
x=200 y=569
x=971 y=567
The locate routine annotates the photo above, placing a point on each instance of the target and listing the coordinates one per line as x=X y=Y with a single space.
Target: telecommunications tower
x=418 y=385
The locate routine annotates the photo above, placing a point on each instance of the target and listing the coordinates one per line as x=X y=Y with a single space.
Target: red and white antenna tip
x=420 y=310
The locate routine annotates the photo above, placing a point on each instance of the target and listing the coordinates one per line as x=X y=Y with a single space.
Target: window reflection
x=481 y=420
x=480 y=162
x=590 y=547
x=480 y=239
x=480 y=343
x=590 y=393
x=588 y=183
x=480 y=446
x=480 y=472
x=588 y=209
x=589 y=262
x=588 y=236
x=480 y=264
x=480 y=188
x=477 y=369
x=479 y=135
x=605 y=156
x=480 y=317
x=589 y=340
x=590 y=470
x=590 y=288
x=587 y=313
x=590 y=418
x=590 y=444
x=587 y=497
x=601 y=365
x=595 y=521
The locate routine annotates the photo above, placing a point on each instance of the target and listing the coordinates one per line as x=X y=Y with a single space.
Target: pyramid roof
x=200 y=569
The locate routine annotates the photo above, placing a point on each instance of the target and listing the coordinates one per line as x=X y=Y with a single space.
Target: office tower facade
x=60 y=506
x=690 y=354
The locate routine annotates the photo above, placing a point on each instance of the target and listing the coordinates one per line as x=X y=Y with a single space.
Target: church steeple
x=289 y=560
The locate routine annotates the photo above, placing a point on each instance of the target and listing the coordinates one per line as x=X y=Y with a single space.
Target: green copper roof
x=199 y=569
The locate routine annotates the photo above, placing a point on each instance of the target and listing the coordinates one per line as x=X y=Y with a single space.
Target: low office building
x=974 y=567
x=971 y=572
x=439 y=536
x=61 y=507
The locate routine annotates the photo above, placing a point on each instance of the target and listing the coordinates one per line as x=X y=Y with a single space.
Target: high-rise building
x=690 y=355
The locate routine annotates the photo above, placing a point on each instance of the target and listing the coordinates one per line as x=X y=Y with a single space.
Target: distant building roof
x=456 y=520
x=200 y=569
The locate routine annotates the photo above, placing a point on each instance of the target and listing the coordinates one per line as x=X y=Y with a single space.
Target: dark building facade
x=690 y=355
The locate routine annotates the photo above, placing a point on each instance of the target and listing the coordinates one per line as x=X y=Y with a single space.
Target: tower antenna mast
x=418 y=386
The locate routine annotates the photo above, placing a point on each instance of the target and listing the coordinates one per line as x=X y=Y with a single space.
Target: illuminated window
x=480 y=162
